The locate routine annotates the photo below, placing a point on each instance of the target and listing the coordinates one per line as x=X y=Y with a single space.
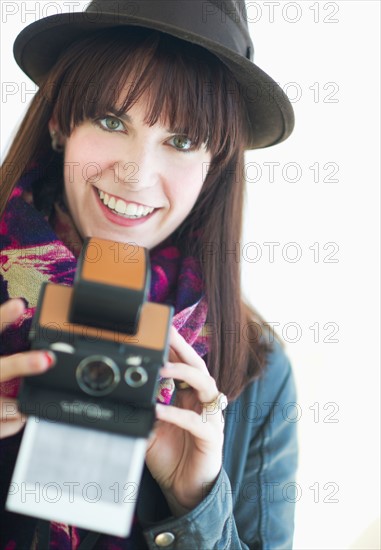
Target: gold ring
x=219 y=402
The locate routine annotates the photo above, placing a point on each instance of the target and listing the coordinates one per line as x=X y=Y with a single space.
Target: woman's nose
x=138 y=168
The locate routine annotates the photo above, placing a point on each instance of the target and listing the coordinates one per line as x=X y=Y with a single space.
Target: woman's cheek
x=92 y=172
x=84 y=170
x=73 y=173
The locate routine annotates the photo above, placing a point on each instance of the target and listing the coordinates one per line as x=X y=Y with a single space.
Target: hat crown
x=201 y=15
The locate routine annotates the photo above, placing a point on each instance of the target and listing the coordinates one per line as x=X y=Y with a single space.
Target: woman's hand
x=185 y=450
x=13 y=366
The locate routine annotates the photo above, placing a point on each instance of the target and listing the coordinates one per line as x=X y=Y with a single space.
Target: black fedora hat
x=219 y=26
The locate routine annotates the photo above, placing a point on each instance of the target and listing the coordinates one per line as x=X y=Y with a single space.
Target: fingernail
x=50 y=359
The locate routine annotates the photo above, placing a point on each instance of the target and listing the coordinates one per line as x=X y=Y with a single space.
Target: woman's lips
x=120 y=219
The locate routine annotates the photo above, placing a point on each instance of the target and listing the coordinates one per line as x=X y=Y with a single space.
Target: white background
x=326 y=57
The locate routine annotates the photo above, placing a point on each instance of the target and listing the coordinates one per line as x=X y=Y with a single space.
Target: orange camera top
x=108 y=299
x=152 y=329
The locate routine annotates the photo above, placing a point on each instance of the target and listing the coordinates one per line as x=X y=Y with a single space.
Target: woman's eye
x=182 y=143
x=111 y=123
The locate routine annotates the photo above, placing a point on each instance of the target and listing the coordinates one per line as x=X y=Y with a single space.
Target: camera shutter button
x=134 y=360
x=164 y=539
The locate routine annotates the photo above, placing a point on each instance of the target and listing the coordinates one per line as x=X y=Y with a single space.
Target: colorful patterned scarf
x=37 y=248
x=32 y=252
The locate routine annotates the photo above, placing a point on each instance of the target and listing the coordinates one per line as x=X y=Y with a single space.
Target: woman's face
x=128 y=182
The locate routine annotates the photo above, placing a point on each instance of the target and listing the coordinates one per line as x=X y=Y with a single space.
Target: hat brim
x=270 y=112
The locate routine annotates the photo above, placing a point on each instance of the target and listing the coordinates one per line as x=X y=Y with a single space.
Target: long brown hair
x=193 y=91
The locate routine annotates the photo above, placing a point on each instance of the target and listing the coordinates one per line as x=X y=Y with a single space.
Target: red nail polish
x=50 y=359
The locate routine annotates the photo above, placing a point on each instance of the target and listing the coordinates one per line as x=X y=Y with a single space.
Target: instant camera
x=110 y=343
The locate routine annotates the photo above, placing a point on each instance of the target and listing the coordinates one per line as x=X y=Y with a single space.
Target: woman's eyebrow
x=127 y=118
x=124 y=117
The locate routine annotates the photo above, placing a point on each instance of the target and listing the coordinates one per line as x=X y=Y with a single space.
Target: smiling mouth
x=125 y=209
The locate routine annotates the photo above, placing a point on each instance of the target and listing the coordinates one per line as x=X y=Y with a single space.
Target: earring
x=56 y=145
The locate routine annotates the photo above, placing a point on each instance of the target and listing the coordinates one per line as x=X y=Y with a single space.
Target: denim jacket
x=251 y=505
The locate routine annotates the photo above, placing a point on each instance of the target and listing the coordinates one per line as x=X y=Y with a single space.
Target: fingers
x=202 y=382
x=10 y=312
x=184 y=353
x=190 y=370
x=192 y=422
x=25 y=364
x=11 y=428
x=11 y=420
x=8 y=410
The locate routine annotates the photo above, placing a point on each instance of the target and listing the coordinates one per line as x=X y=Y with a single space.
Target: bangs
x=185 y=87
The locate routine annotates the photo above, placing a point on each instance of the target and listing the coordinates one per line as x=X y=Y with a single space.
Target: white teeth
x=120 y=206
x=128 y=209
x=131 y=209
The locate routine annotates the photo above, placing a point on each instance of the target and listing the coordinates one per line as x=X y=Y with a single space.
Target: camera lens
x=97 y=375
x=136 y=377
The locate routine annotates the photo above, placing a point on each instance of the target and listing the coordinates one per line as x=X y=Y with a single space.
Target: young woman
x=137 y=134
